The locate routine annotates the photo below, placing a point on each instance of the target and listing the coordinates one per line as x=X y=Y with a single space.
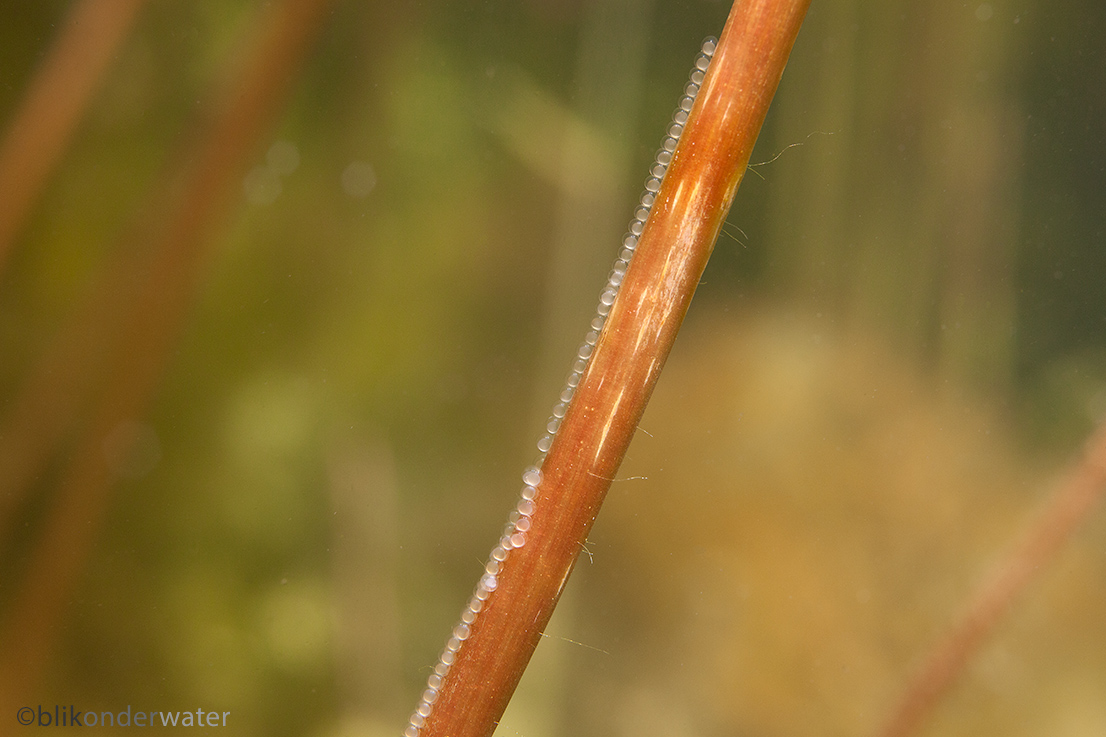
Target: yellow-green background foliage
x=898 y=343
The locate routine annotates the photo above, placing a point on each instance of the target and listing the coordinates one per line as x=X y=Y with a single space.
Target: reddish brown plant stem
x=1070 y=503
x=150 y=323
x=671 y=254
x=55 y=100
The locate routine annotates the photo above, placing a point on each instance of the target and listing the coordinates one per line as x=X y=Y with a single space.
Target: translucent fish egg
x=531 y=476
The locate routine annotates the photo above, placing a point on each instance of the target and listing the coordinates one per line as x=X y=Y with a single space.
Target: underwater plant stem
x=1073 y=499
x=54 y=103
x=672 y=252
x=150 y=319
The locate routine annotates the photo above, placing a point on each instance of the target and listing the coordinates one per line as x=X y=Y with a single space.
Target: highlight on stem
x=687 y=198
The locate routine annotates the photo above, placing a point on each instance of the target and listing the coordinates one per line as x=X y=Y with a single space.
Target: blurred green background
x=900 y=340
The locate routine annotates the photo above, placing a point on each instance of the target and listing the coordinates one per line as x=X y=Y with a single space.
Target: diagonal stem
x=54 y=104
x=1072 y=501
x=154 y=315
x=468 y=698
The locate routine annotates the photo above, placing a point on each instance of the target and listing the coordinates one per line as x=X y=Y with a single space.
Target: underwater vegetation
x=289 y=309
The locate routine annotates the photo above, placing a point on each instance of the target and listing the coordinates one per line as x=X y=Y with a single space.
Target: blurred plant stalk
x=637 y=337
x=54 y=105
x=144 y=321
x=1075 y=497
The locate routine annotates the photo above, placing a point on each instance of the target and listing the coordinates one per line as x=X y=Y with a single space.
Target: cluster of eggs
x=514 y=534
